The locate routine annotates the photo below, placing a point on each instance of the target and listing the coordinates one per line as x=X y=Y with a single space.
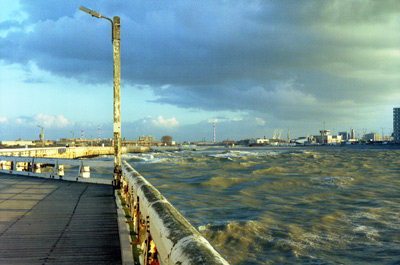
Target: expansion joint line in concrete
x=22 y=216
x=66 y=226
x=11 y=184
x=16 y=194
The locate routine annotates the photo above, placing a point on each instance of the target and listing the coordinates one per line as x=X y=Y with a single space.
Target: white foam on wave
x=363 y=223
x=336 y=181
x=228 y=236
x=151 y=158
x=244 y=154
x=106 y=157
x=370 y=232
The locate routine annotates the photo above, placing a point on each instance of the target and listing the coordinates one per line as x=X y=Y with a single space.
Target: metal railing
x=55 y=168
x=70 y=152
x=164 y=235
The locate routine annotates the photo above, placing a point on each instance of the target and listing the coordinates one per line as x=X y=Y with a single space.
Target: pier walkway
x=47 y=221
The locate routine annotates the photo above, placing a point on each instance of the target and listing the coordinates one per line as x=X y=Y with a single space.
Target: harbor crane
x=73 y=138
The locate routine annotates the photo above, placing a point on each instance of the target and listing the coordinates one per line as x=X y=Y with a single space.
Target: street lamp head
x=95 y=14
x=90 y=12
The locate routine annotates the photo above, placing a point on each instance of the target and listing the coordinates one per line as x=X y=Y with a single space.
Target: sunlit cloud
x=168 y=123
x=45 y=120
x=260 y=121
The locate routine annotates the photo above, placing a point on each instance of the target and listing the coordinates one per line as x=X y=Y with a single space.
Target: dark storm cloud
x=283 y=58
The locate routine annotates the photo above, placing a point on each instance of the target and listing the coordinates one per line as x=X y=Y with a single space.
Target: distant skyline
x=250 y=66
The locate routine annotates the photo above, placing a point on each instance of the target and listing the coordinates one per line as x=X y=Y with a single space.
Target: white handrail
x=164 y=234
x=30 y=166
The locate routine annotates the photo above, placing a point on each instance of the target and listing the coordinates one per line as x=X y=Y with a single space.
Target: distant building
x=345 y=136
x=243 y=142
x=396 y=124
x=325 y=137
x=303 y=140
x=336 y=139
x=15 y=143
x=372 y=137
x=167 y=140
x=258 y=141
x=228 y=142
x=146 y=138
x=352 y=135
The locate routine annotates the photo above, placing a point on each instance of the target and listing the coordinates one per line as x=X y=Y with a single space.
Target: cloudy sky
x=250 y=66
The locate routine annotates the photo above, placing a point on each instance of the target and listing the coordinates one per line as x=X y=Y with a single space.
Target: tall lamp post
x=115 y=38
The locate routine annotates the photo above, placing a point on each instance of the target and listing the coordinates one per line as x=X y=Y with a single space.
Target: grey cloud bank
x=285 y=62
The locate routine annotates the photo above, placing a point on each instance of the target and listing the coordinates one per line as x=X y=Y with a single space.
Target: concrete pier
x=45 y=221
x=70 y=152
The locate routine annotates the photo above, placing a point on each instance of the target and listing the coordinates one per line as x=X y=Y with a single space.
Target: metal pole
x=117 y=101
x=115 y=37
x=42 y=137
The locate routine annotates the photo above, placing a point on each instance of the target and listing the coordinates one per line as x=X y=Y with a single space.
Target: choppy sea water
x=311 y=205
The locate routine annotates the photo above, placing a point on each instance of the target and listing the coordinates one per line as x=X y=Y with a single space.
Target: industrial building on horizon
x=324 y=138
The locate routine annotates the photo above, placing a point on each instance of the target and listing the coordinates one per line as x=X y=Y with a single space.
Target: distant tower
x=99 y=132
x=288 y=135
x=324 y=135
x=82 y=134
x=214 y=133
x=396 y=124
x=352 y=134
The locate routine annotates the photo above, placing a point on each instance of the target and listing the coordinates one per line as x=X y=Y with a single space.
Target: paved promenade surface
x=46 y=221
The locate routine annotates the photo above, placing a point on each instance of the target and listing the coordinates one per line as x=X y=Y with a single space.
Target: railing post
x=60 y=170
x=37 y=168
